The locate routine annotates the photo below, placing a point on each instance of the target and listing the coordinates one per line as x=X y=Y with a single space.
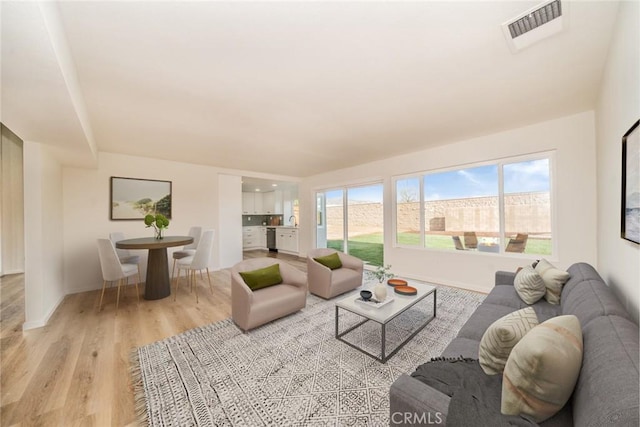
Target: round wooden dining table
x=158 y=283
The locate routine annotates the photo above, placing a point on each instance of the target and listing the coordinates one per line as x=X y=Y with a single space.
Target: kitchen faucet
x=294 y=220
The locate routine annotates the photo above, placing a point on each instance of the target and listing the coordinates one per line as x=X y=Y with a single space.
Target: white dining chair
x=115 y=271
x=197 y=262
x=188 y=250
x=124 y=255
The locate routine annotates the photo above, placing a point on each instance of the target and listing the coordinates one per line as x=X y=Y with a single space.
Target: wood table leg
x=158 y=284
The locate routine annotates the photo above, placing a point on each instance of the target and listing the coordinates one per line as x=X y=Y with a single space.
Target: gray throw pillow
x=529 y=285
x=500 y=338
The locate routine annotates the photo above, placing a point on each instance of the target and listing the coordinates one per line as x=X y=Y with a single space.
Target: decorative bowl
x=406 y=290
x=396 y=282
x=366 y=295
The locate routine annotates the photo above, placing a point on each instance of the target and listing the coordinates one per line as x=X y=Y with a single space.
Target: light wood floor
x=76 y=371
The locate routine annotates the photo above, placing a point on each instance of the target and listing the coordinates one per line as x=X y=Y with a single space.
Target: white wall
x=573 y=139
x=618 y=108
x=230 y=219
x=67 y=209
x=44 y=232
x=86 y=210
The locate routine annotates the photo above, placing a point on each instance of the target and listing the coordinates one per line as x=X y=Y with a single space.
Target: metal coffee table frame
x=362 y=313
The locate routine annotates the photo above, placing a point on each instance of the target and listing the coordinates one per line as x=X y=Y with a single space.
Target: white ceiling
x=288 y=88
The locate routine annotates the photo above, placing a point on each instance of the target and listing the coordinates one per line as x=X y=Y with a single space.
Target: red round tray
x=396 y=282
x=406 y=290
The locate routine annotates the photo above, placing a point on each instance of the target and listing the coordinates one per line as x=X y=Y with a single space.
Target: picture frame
x=133 y=198
x=630 y=213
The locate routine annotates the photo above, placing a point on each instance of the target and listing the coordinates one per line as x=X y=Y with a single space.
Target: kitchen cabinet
x=277 y=208
x=269 y=202
x=252 y=203
x=262 y=237
x=262 y=203
x=287 y=240
x=257 y=203
x=254 y=237
x=248 y=203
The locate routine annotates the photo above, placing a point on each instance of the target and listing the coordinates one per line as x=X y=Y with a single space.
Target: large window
x=351 y=220
x=527 y=206
x=500 y=207
x=408 y=211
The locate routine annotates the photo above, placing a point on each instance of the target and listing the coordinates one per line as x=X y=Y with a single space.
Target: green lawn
x=366 y=251
x=369 y=248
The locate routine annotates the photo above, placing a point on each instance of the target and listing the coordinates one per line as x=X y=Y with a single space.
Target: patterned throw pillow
x=500 y=338
x=554 y=280
x=529 y=285
x=543 y=369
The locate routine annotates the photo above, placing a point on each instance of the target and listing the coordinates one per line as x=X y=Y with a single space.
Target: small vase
x=380 y=291
x=158 y=234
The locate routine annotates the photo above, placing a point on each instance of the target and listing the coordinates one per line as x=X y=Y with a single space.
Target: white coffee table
x=383 y=315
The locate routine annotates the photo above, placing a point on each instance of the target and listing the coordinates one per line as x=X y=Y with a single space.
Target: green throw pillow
x=263 y=277
x=332 y=261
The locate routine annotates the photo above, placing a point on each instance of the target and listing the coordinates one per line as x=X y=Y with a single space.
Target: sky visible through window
x=482 y=181
x=526 y=177
x=367 y=194
x=476 y=182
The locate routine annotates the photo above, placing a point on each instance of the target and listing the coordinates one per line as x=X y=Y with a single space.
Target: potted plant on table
x=382 y=273
x=159 y=223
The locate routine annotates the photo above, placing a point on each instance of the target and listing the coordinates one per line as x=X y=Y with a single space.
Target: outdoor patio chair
x=516 y=246
x=470 y=240
x=458 y=243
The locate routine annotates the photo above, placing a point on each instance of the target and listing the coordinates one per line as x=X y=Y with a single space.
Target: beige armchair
x=327 y=283
x=250 y=309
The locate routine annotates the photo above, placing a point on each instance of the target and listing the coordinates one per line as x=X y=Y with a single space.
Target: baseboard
x=11 y=272
x=86 y=289
x=467 y=286
x=43 y=322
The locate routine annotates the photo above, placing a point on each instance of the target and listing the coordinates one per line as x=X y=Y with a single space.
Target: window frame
x=345 y=189
x=500 y=163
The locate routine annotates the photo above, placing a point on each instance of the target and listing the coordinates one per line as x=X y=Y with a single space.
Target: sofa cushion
x=591 y=299
x=579 y=272
x=543 y=368
x=501 y=336
x=331 y=261
x=462 y=347
x=529 y=285
x=608 y=386
x=554 y=279
x=545 y=310
x=480 y=320
x=262 y=277
x=505 y=295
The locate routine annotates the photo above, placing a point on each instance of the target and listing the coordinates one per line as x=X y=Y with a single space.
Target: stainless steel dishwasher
x=271 y=239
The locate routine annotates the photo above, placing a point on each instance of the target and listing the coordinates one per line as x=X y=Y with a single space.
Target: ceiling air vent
x=535 y=24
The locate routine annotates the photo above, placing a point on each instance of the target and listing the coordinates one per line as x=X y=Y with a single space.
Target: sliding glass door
x=350 y=220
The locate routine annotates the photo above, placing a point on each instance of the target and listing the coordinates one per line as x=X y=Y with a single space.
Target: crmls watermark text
x=409 y=418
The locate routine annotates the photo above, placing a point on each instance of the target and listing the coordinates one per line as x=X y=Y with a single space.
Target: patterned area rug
x=291 y=372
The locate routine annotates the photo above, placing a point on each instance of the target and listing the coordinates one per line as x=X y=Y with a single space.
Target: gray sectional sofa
x=607 y=392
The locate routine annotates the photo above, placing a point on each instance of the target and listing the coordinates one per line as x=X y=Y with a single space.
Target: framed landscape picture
x=133 y=198
x=631 y=184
